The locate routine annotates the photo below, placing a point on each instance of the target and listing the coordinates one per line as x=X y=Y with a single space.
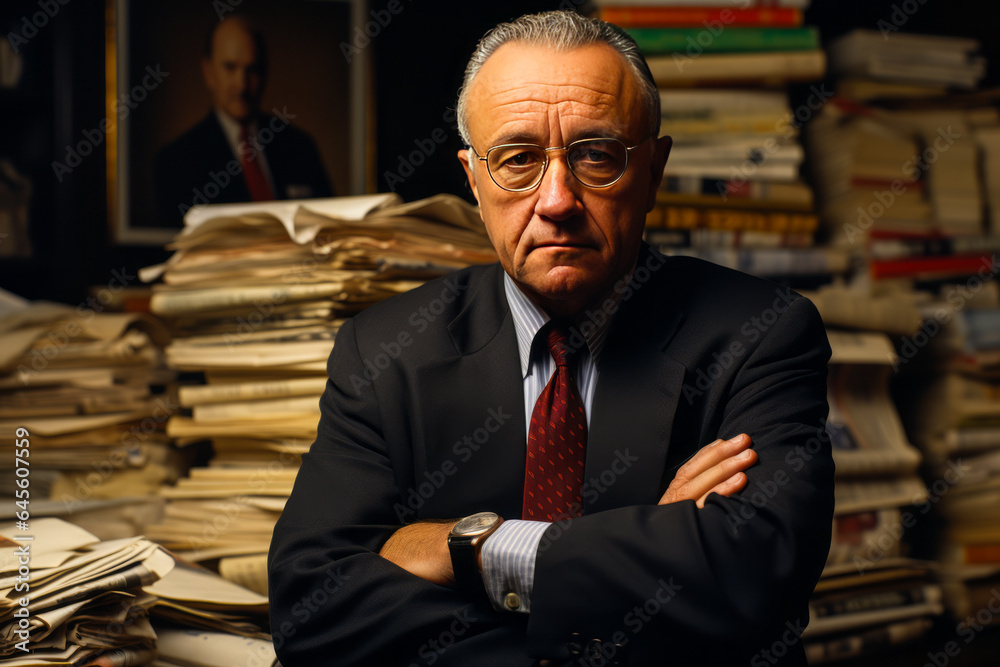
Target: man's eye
x=594 y=155
x=519 y=160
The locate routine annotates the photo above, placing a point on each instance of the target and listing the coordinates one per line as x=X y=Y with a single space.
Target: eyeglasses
x=597 y=163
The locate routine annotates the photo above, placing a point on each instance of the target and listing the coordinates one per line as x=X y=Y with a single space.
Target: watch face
x=477 y=523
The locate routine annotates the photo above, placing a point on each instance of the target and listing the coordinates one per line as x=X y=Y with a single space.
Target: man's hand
x=422 y=549
x=716 y=468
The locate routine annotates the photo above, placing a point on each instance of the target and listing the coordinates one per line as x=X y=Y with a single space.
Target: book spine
x=980 y=553
x=872 y=601
x=722 y=188
x=702 y=18
x=780 y=262
x=867 y=642
x=690 y=217
x=881 y=246
x=770 y=68
x=917 y=267
x=764 y=124
x=653 y=41
x=714 y=238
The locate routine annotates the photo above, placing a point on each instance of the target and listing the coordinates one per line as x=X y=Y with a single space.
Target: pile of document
x=254 y=295
x=119 y=603
x=82 y=384
x=953 y=394
x=872 y=593
x=203 y=620
x=84 y=597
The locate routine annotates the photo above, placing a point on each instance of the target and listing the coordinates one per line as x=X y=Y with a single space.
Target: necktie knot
x=560 y=349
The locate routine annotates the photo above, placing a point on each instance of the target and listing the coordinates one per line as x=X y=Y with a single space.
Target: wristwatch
x=465 y=542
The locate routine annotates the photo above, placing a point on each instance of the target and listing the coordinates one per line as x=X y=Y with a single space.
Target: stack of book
x=88 y=389
x=254 y=296
x=871 y=594
x=954 y=414
x=934 y=63
x=861 y=611
x=897 y=160
x=732 y=190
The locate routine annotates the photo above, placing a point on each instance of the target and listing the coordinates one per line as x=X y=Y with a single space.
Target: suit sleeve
x=333 y=599
x=670 y=580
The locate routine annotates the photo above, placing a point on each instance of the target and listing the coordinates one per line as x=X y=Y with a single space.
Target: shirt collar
x=232 y=128
x=529 y=318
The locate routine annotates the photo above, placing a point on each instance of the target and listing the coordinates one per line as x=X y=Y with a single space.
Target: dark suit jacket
x=423 y=418
x=192 y=169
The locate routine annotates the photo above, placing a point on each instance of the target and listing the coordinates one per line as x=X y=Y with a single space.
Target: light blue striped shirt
x=508 y=556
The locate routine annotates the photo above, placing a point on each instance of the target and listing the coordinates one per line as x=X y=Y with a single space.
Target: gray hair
x=562 y=30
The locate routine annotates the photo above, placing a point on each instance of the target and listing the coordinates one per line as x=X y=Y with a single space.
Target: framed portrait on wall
x=224 y=101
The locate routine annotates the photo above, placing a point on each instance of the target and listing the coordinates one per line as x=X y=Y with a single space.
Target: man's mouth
x=562 y=244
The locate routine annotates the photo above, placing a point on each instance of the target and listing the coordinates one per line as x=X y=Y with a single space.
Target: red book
x=928 y=267
x=981 y=553
x=701 y=17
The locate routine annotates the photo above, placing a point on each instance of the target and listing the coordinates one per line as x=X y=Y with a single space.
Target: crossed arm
x=422 y=548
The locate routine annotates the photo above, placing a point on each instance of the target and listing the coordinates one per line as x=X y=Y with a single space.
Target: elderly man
x=236 y=153
x=523 y=481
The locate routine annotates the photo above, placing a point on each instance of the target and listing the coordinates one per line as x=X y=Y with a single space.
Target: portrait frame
x=154 y=89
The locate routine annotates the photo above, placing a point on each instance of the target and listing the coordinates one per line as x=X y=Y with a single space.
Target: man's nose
x=557 y=193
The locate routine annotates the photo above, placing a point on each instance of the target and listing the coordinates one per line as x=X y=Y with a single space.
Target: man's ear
x=656 y=165
x=465 y=157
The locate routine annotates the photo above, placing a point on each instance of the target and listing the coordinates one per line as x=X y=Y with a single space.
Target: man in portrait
x=236 y=153
x=536 y=475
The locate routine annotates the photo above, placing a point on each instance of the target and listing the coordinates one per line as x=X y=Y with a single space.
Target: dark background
x=418 y=59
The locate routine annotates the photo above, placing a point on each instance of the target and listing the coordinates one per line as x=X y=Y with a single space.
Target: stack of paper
x=861 y=609
x=876 y=464
x=254 y=295
x=927 y=60
x=869 y=594
x=904 y=166
x=69 y=598
x=80 y=384
x=119 y=603
x=198 y=599
x=953 y=401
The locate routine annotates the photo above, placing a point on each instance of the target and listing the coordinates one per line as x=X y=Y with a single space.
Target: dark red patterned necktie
x=252 y=173
x=557 y=443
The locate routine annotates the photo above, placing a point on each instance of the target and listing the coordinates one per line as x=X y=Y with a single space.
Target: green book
x=721 y=39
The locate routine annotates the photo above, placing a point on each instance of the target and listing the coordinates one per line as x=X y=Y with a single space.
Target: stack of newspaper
x=871 y=594
x=254 y=295
x=73 y=599
x=80 y=383
x=954 y=411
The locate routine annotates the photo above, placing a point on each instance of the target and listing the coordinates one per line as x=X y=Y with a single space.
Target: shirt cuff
x=508 y=558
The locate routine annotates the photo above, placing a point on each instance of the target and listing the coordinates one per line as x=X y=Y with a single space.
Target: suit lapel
x=474 y=410
x=638 y=390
